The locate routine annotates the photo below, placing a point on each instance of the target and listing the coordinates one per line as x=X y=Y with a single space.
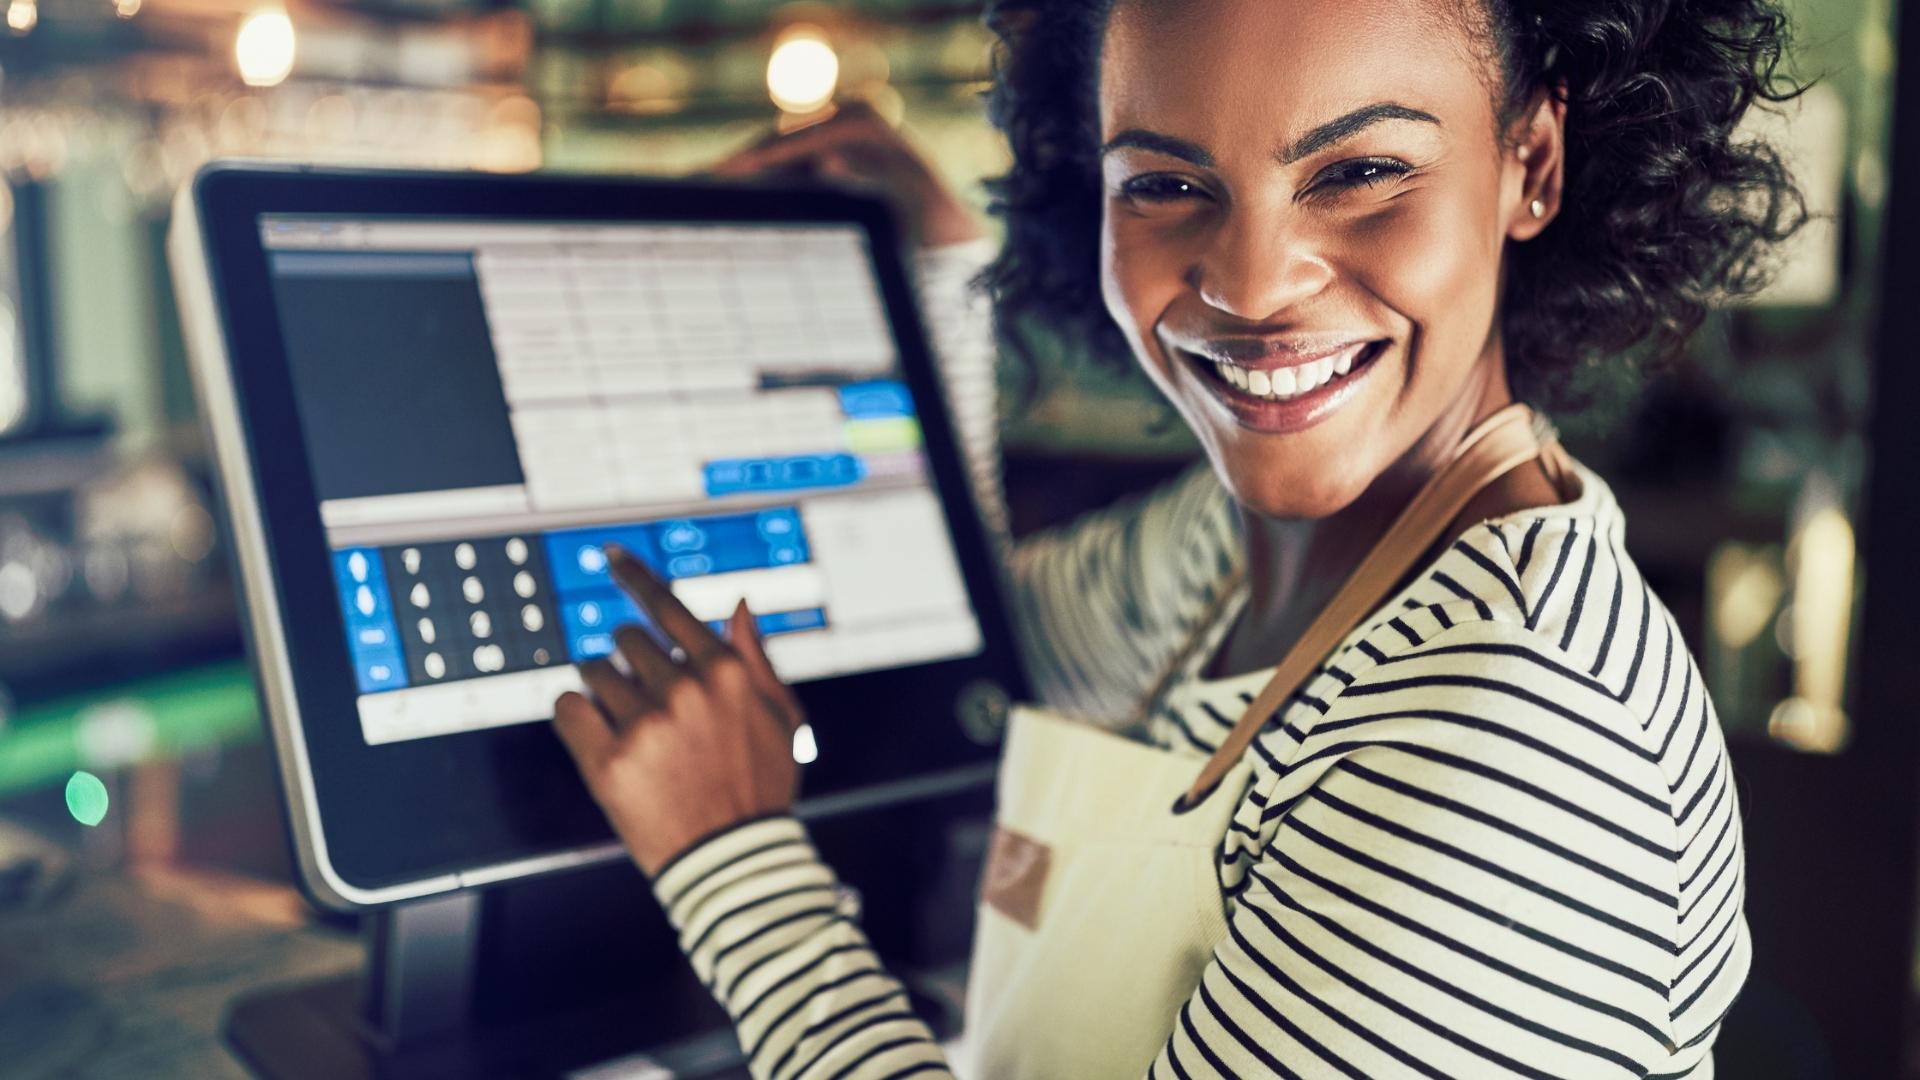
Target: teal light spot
x=87 y=798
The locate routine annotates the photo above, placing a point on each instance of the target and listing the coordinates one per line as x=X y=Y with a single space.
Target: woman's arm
x=1101 y=604
x=772 y=933
x=690 y=755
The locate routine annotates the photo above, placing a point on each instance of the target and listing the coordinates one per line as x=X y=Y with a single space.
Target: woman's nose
x=1255 y=271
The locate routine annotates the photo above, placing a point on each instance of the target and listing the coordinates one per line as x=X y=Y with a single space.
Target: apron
x=1100 y=904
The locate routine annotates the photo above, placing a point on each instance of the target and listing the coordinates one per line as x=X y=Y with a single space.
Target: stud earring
x=1523 y=153
x=1537 y=208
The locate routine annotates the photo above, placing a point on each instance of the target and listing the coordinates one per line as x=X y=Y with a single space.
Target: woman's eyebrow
x=1351 y=124
x=1333 y=131
x=1159 y=144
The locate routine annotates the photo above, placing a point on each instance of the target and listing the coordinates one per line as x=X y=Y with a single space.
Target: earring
x=1537 y=208
x=1523 y=153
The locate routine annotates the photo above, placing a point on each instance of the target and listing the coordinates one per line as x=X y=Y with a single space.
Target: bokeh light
x=264 y=48
x=87 y=798
x=803 y=70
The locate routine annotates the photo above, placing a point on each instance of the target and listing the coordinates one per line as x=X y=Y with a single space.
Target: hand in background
x=857 y=147
x=681 y=749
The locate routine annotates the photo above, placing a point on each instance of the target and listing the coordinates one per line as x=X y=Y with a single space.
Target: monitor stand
x=573 y=974
x=553 y=976
x=417 y=1012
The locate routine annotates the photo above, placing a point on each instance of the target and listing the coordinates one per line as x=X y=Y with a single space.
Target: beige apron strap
x=1504 y=441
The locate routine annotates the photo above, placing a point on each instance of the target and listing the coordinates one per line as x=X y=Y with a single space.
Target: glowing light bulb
x=23 y=15
x=803 y=70
x=263 y=48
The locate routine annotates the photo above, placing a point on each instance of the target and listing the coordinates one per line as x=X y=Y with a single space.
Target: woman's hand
x=681 y=749
x=857 y=147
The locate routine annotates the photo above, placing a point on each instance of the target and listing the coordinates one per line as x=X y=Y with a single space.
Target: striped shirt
x=1495 y=834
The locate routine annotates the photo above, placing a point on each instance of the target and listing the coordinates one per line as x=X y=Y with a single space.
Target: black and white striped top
x=1494 y=835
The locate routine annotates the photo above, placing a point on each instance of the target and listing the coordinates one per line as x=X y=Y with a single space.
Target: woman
x=1465 y=809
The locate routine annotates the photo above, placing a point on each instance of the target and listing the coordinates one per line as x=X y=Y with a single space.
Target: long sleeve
x=771 y=932
x=1101 y=604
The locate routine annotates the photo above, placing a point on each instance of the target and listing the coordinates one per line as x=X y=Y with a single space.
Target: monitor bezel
x=377 y=824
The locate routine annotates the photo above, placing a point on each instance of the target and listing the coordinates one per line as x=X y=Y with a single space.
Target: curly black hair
x=1667 y=211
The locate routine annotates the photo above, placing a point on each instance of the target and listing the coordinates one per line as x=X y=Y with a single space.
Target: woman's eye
x=1160 y=188
x=1367 y=172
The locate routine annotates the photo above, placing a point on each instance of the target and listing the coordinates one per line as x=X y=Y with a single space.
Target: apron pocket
x=1015 y=880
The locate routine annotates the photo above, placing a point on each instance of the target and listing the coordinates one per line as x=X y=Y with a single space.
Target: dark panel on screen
x=394 y=373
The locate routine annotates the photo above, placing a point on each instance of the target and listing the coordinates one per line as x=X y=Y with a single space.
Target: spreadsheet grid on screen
x=487 y=404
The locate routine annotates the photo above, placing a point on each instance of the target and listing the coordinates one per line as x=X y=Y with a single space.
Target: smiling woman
x=1369 y=751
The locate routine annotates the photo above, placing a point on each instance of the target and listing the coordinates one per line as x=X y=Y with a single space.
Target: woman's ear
x=1534 y=173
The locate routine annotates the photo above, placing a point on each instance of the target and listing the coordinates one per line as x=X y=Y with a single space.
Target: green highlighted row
x=881 y=434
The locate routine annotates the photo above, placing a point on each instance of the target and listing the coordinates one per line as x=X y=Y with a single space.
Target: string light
x=263 y=48
x=23 y=15
x=803 y=70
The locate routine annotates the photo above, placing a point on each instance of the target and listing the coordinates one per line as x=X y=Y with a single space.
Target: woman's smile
x=1280 y=390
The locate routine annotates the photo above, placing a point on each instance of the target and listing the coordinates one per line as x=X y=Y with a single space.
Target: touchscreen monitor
x=485 y=405
x=434 y=399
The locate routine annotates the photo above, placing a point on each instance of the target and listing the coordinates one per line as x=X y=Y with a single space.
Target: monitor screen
x=486 y=404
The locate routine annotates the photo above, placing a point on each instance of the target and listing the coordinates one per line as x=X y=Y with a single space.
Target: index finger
x=681 y=626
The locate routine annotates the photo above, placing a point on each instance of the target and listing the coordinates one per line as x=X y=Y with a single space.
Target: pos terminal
x=432 y=398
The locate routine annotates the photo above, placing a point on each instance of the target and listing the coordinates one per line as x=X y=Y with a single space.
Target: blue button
x=775 y=524
x=736 y=475
x=690 y=566
x=879 y=398
x=681 y=536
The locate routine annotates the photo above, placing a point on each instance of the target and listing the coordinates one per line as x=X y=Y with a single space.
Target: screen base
x=320 y=1031
x=426 y=1009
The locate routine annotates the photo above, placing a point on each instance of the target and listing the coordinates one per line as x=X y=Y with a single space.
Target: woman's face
x=1305 y=209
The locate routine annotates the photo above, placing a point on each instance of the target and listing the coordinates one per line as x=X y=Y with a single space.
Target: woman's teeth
x=1279 y=384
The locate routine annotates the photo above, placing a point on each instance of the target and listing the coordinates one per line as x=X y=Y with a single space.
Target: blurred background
x=1765 y=479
